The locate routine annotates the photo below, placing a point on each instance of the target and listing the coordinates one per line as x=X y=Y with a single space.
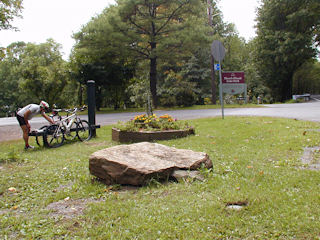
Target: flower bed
x=150 y=128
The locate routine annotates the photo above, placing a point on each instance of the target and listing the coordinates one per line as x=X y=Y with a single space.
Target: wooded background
x=161 y=49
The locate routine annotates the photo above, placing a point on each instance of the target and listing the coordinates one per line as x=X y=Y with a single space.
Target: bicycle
x=66 y=128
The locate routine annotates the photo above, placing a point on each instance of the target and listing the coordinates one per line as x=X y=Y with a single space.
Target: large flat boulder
x=136 y=164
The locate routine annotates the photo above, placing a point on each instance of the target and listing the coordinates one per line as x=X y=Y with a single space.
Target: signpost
x=230 y=82
x=233 y=83
x=218 y=52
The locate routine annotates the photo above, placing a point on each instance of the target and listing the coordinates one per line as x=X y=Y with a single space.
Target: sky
x=59 y=19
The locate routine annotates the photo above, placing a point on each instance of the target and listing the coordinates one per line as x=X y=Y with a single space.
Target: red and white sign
x=232 y=77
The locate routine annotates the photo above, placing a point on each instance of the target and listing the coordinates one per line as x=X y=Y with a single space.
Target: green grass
x=255 y=160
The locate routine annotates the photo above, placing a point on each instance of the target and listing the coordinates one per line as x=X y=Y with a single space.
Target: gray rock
x=185 y=174
x=136 y=164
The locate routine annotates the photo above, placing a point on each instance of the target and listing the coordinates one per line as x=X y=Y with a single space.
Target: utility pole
x=213 y=80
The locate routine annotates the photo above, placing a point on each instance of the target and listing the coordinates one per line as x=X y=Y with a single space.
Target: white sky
x=59 y=19
x=242 y=13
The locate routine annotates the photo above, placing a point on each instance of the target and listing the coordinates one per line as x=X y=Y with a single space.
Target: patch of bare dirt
x=69 y=208
x=63 y=187
x=311 y=158
x=98 y=144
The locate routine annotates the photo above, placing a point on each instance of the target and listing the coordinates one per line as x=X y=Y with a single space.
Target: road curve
x=10 y=130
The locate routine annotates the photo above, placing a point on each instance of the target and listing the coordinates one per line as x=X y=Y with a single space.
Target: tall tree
x=287 y=32
x=10 y=75
x=32 y=72
x=99 y=56
x=43 y=70
x=212 y=75
x=155 y=29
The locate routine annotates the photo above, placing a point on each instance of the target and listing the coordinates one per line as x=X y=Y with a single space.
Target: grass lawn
x=49 y=193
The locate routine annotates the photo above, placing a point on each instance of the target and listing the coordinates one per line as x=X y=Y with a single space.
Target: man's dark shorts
x=21 y=120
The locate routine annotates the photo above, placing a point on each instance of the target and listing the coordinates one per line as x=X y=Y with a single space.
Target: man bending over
x=28 y=112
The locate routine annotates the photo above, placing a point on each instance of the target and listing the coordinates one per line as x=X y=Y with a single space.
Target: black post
x=92 y=105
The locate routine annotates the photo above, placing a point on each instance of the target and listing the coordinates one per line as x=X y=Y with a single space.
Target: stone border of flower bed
x=149 y=136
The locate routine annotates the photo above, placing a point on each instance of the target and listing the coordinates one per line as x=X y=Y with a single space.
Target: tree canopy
x=9 y=9
x=288 y=32
x=154 y=30
x=32 y=72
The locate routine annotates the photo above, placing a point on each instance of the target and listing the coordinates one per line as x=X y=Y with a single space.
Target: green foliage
x=43 y=72
x=237 y=53
x=306 y=78
x=175 y=91
x=152 y=123
x=100 y=56
x=32 y=72
x=138 y=91
x=152 y=39
x=156 y=30
x=196 y=71
x=285 y=42
x=10 y=75
x=9 y=9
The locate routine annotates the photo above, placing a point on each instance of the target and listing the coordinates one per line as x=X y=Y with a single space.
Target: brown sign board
x=232 y=77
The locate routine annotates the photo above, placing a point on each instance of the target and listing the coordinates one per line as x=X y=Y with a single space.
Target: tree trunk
x=80 y=93
x=213 y=83
x=213 y=80
x=98 y=98
x=286 y=91
x=153 y=77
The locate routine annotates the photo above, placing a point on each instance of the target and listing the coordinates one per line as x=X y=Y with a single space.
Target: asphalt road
x=9 y=128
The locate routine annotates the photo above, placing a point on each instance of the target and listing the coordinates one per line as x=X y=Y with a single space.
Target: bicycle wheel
x=71 y=134
x=53 y=136
x=84 y=130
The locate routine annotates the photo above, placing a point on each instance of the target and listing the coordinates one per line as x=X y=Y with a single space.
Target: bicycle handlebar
x=73 y=110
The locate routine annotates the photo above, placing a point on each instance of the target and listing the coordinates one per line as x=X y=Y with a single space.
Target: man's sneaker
x=28 y=147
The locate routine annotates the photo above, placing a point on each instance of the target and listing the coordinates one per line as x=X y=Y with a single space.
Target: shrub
x=186 y=97
x=152 y=123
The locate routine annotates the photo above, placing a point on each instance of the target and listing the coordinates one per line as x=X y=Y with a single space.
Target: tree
x=33 y=72
x=11 y=95
x=306 y=78
x=287 y=34
x=99 y=56
x=154 y=30
x=196 y=73
x=43 y=71
x=212 y=75
x=9 y=9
